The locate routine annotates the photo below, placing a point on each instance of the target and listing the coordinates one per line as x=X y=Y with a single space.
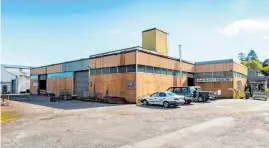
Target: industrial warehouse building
x=136 y=72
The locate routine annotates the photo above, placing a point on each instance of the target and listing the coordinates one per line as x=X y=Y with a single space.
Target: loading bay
x=217 y=124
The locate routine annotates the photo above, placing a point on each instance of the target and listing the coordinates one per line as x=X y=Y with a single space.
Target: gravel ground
x=221 y=123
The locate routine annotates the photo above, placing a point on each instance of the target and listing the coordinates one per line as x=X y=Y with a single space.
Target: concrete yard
x=217 y=124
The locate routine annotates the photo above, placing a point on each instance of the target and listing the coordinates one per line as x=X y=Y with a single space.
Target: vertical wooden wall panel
x=240 y=68
x=162 y=62
x=56 y=85
x=150 y=83
x=214 y=67
x=33 y=89
x=113 y=60
x=54 y=68
x=38 y=71
x=114 y=85
x=218 y=86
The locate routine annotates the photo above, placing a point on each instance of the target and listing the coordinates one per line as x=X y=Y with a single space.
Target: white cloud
x=247 y=25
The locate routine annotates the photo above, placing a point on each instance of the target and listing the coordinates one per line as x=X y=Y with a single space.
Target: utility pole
x=180 y=63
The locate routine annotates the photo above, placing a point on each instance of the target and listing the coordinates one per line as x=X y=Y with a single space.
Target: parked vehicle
x=165 y=99
x=206 y=95
x=185 y=91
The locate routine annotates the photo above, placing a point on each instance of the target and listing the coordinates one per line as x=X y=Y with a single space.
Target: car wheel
x=200 y=99
x=189 y=101
x=145 y=102
x=166 y=104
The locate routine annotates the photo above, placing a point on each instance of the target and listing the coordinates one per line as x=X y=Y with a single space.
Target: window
x=163 y=71
x=228 y=74
x=105 y=70
x=184 y=89
x=122 y=69
x=113 y=70
x=162 y=94
x=218 y=74
x=98 y=71
x=171 y=94
x=154 y=95
x=149 y=69
x=170 y=89
x=207 y=75
x=169 y=72
x=177 y=90
x=141 y=68
x=131 y=68
x=92 y=71
x=174 y=72
x=157 y=70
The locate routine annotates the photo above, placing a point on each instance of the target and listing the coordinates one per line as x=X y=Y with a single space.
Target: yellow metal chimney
x=155 y=40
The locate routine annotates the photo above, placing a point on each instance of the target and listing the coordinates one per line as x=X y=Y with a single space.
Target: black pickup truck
x=205 y=96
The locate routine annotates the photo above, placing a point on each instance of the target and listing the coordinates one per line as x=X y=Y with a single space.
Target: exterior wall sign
x=130 y=85
x=35 y=84
x=215 y=80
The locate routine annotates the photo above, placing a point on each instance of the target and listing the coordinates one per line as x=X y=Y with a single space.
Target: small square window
x=105 y=70
x=141 y=68
x=149 y=69
x=157 y=70
x=122 y=69
x=98 y=71
x=92 y=72
x=131 y=68
x=113 y=70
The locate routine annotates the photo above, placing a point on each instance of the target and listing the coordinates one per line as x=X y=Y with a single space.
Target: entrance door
x=82 y=83
x=13 y=86
x=4 y=89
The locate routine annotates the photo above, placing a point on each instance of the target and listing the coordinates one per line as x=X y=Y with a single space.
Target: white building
x=14 y=78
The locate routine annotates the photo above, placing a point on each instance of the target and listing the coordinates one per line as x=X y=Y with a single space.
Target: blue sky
x=40 y=32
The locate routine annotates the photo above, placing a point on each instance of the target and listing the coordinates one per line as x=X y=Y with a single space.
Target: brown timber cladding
x=214 y=67
x=56 y=85
x=33 y=89
x=162 y=62
x=38 y=71
x=240 y=68
x=218 y=86
x=54 y=68
x=150 y=83
x=113 y=60
x=113 y=85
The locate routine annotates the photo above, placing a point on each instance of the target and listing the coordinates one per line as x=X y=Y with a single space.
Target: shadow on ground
x=156 y=107
x=66 y=105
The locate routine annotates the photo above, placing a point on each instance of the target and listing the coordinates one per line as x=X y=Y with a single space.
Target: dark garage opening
x=42 y=84
x=190 y=81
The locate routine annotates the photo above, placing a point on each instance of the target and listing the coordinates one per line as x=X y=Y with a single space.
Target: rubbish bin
x=247 y=95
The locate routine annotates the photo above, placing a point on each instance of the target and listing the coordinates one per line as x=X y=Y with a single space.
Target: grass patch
x=9 y=116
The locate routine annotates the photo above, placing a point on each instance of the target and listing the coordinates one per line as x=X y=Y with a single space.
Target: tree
x=266 y=70
x=242 y=56
x=252 y=55
x=265 y=63
x=253 y=64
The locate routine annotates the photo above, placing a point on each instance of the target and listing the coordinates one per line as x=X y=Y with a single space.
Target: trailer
x=258 y=90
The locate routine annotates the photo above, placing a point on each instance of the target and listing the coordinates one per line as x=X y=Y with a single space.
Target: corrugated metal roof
x=214 y=62
x=16 y=66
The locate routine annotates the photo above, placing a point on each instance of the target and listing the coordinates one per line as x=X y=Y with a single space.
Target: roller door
x=81 y=83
